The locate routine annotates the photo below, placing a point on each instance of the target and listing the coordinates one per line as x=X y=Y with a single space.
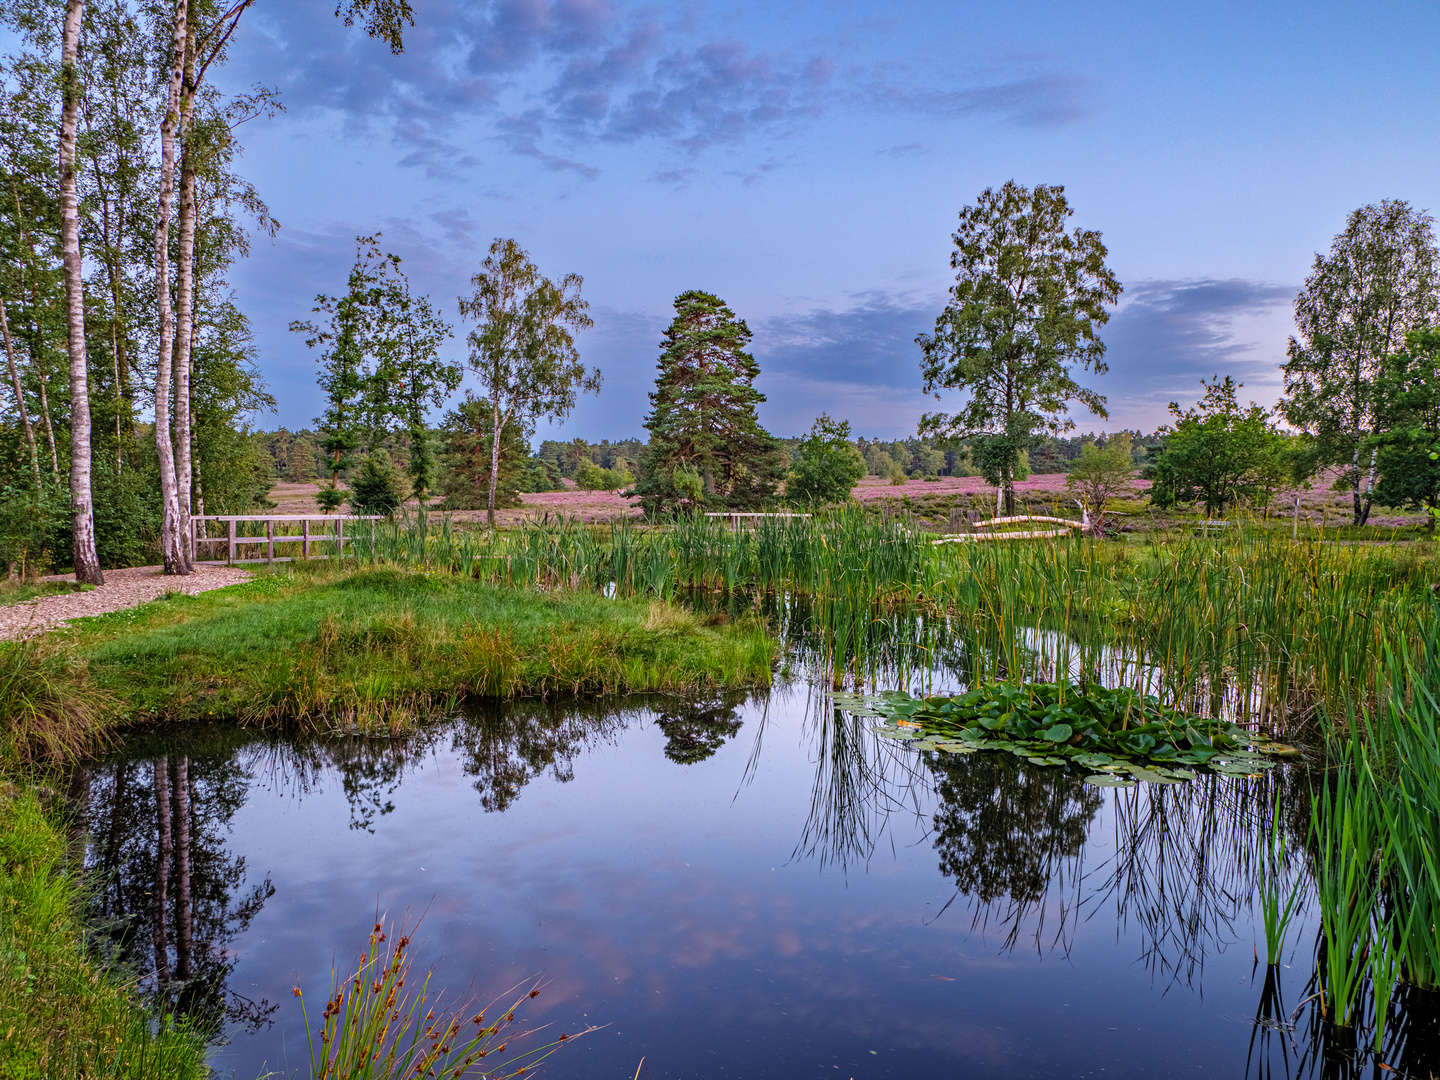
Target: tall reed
x=373 y=1028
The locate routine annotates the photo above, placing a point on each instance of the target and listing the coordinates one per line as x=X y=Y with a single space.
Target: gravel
x=122 y=589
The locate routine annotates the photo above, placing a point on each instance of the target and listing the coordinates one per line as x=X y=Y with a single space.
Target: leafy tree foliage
x=1024 y=312
x=702 y=421
x=829 y=465
x=592 y=477
x=377 y=487
x=1376 y=285
x=1218 y=453
x=523 y=345
x=1408 y=450
x=1101 y=474
x=469 y=456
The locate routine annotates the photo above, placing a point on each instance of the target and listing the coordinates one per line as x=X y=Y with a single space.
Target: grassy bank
x=379 y=645
x=60 y=1014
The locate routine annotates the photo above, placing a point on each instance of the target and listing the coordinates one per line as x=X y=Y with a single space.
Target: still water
x=748 y=886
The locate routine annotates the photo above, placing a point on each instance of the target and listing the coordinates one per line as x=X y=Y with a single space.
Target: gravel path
x=122 y=589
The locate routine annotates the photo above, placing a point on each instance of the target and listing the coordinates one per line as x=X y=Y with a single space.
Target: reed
x=375 y=1028
x=1251 y=624
x=1345 y=831
x=1278 y=906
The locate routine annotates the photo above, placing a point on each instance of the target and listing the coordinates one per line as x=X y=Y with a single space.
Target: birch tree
x=1024 y=313
x=1375 y=286
x=82 y=505
x=523 y=345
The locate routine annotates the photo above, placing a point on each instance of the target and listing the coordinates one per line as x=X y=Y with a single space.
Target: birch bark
x=174 y=551
x=82 y=509
x=185 y=297
x=162 y=870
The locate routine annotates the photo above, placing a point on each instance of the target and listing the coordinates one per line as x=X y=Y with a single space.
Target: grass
x=60 y=1014
x=378 y=646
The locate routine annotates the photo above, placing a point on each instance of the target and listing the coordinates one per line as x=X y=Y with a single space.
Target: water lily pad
x=1108 y=780
x=1058 y=733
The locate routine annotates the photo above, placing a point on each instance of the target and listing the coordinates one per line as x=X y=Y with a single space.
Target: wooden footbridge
x=292 y=529
x=1067 y=528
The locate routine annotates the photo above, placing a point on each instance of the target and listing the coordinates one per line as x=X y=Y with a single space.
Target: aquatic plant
x=1277 y=906
x=1116 y=733
x=373 y=1028
x=1345 y=832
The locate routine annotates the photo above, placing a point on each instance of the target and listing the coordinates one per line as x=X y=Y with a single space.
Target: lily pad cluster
x=1118 y=736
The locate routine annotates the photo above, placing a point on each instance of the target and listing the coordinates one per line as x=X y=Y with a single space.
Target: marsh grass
x=373 y=648
x=49 y=707
x=60 y=1013
x=1278 y=906
x=375 y=1028
x=1249 y=624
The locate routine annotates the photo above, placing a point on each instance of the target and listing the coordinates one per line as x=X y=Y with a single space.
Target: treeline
x=130 y=373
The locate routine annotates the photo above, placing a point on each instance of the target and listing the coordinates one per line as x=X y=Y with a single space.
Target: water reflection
x=166 y=896
x=1036 y=858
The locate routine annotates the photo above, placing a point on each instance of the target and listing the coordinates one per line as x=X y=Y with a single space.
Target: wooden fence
x=332 y=533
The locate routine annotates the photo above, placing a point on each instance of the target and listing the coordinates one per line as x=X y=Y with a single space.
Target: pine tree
x=702 y=422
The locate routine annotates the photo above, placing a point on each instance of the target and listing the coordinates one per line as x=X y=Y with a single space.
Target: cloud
x=1168 y=335
x=551 y=77
x=1046 y=100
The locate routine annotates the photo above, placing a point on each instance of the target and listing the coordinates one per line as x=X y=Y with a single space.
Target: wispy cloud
x=551 y=77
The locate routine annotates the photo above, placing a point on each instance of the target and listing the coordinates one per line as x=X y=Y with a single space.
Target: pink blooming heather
x=877 y=487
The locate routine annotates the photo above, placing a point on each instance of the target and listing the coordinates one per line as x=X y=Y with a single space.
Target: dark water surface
x=749 y=887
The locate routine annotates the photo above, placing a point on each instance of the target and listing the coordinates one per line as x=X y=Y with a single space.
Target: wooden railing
x=335 y=536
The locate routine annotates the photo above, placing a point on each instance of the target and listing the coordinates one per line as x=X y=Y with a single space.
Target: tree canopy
x=1024 y=313
x=1376 y=285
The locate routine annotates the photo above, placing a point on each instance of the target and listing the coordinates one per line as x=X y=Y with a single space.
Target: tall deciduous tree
x=706 y=443
x=1375 y=286
x=523 y=345
x=1408 y=407
x=82 y=504
x=1024 y=312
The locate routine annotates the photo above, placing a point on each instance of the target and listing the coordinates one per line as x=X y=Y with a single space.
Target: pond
x=745 y=885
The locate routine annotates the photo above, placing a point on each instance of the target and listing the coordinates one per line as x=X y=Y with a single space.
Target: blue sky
x=806 y=161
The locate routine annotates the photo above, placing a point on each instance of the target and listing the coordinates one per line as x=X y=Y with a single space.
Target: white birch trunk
x=185 y=301
x=497 y=422
x=82 y=509
x=172 y=545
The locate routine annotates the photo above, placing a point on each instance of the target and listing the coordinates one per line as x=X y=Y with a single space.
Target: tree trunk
x=82 y=510
x=172 y=548
x=185 y=299
x=1369 y=486
x=20 y=396
x=110 y=861
x=162 y=870
x=496 y=423
x=45 y=414
x=1355 y=481
x=183 y=920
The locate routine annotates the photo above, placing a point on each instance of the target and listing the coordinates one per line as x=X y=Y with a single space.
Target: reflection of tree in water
x=1010 y=834
x=166 y=896
x=505 y=746
x=694 y=730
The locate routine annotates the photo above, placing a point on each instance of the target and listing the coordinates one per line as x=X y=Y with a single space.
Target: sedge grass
x=49 y=708
x=374 y=1028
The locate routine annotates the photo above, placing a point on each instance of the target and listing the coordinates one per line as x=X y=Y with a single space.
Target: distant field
x=929 y=497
